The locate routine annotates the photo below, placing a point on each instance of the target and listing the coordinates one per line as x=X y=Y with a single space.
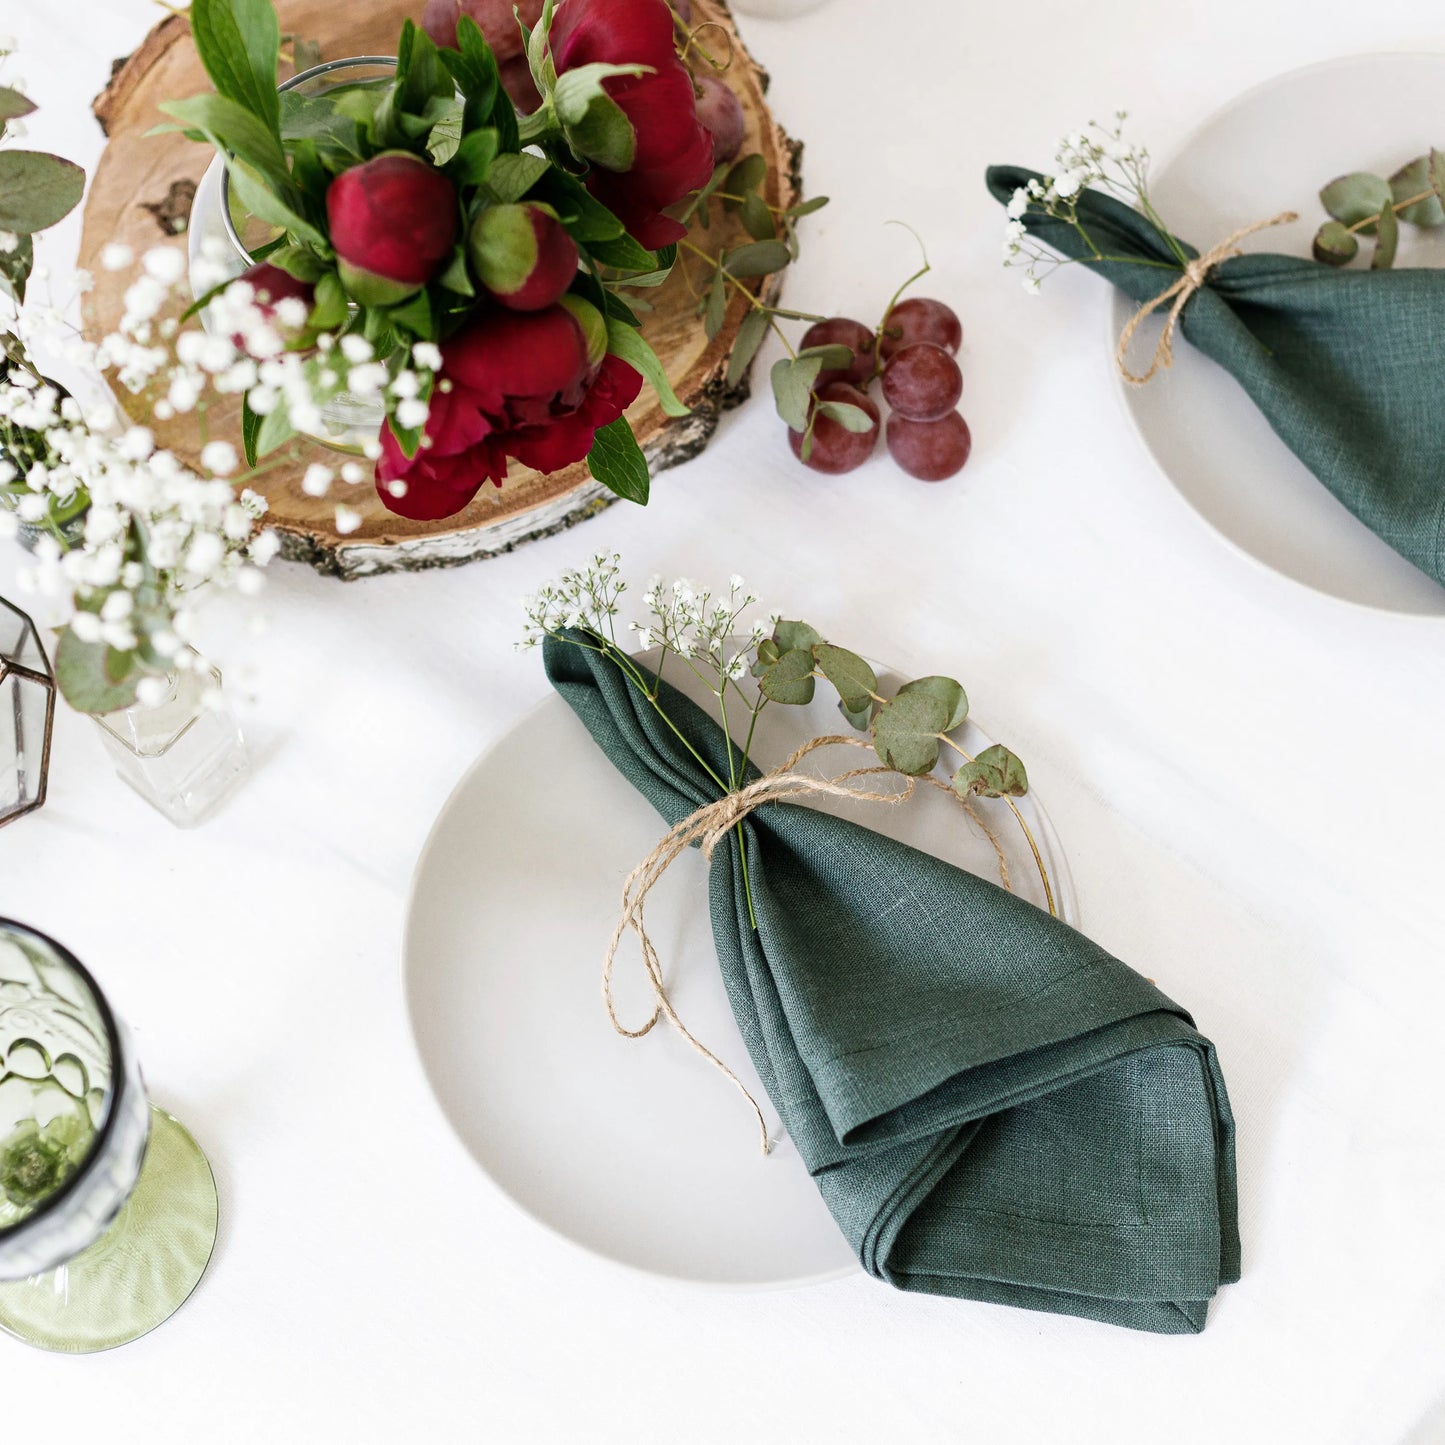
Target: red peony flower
x=522 y=255
x=674 y=155
x=393 y=222
x=512 y=384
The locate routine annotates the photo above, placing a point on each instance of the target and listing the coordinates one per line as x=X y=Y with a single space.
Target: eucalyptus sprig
x=1364 y=204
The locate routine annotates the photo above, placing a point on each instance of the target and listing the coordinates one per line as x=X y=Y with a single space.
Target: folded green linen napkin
x=991 y=1105
x=1348 y=367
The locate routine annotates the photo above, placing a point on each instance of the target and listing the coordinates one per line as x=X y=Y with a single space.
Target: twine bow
x=709 y=826
x=1194 y=275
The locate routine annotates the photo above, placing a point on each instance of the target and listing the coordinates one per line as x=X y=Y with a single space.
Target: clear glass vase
x=184 y=755
x=222 y=237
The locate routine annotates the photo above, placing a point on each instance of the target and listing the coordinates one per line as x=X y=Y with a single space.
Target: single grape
x=840 y=331
x=835 y=448
x=496 y=19
x=684 y=10
x=721 y=114
x=917 y=320
x=930 y=450
x=922 y=382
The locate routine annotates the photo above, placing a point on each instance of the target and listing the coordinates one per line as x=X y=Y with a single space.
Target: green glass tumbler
x=107 y=1205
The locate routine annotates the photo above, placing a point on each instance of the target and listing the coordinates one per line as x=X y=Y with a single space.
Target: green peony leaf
x=239 y=42
x=790 y=680
x=750 y=338
x=793 y=388
x=261 y=201
x=94 y=678
x=1335 y=244
x=36 y=190
x=231 y=127
x=597 y=127
x=1414 y=180
x=586 y=218
x=624 y=341
x=849 y=673
x=756 y=258
x=624 y=253
x=1356 y=197
x=995 y=773
x=617 y=462
x=790 y=635
x=512 y=176
x=1389 y=239
x=948 y=692
x=250 y=430
x=905 y=733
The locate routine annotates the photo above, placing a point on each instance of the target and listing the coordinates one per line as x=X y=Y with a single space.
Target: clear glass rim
x=325 y=68
x=114 y=1093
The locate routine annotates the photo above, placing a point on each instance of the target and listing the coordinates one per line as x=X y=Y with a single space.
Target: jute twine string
x=709 y=826
x=1195 y=274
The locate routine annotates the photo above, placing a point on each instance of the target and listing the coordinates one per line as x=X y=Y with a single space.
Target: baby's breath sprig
x=1096 y=158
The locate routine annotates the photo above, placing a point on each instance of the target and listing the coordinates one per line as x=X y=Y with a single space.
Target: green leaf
x=717 y=307
x=948 y=692
x=1335 y=244
x=995 y=773
x=472 y=163
x=262 y=202
x=416 y=316
x=790 y=680
x=586 y=218
x=1437 y=173
x=15 y=268
x=617 y=462
x=849 y=417
x=329 y=307
x=633 y=348
x=768 y=653
x=94 y=678
x=849 y=673
x=624 y=253
x=230 y=127
x=595 y=125
x=13 y=105
x=757 y=218
x=512 y=176
x=750 y=337
x=859 y=718
x=446 y=132
x=250 y=430
x=1389 y=239
x=790 y=635
x=905 y=733
x=298 y=261
x=456 y=277
x=745 y=175
x=36 y=190
x=757 y=258
x=239 y=42
x=274 y=431
x=806 y=208
x=834 y=357
x=1414 y=180
x=793 y=388
x=1356 y=197
x=317 y=118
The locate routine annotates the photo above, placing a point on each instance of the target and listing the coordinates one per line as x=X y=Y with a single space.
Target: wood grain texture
x=137 y=171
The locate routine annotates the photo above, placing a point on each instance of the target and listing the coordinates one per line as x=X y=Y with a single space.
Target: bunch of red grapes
x=913 y=353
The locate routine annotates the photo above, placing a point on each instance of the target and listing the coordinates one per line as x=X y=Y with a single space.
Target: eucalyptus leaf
x=1437 y=173
x=905 y=733
x=94 y=678
x=835 y=357
x=617 y=462
x=948 y=692
x=859 y=718
x=1388 y=240
x=715 y=313
x=757 y=218
x=36 y=190
x=1414 y=180
x=757 y=258
x=749 y=339
x=1335 y=244
x=850 y=674
x=790 y=680
x=239 y=42
x=1357 y=197
x=793 y=388
x=851 y=418
x=995 y=773
x=627 y=343
x=13 y=105
x=806 y=208
x=790 y=635
x=768 y=653
x=745 y=175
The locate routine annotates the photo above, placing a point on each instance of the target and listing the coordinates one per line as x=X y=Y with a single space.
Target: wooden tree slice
x=135 y=189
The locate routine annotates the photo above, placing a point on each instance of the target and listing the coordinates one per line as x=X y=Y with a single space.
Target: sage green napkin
x=1347 y=366
x=991 y=1105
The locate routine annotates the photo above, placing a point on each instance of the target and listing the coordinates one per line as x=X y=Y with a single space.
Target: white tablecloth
x=1246 y=777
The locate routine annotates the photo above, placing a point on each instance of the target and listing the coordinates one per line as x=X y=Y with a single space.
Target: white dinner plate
x=1267 y=151
x=635 y=1149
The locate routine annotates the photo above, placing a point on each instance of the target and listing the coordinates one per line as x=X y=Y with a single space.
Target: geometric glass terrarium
x=27 y=714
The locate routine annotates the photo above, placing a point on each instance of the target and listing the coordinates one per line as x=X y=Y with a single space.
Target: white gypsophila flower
x=356 y=349
x=116 y=256
x=152 y=691
x=348 y=519
x=1018 y=204
x=317 y=480
x=427 y=355
x=219 y=457
x=166 y=264
x=1031 y=284
x=353 y=473
x=412 y=412
x=9 y=241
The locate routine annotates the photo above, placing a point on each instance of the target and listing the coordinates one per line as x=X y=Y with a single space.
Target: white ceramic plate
x=1267 y=151
x=635 y=1149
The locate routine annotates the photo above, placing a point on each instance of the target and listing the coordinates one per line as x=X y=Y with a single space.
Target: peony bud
x=393 y=222
x=522 y=255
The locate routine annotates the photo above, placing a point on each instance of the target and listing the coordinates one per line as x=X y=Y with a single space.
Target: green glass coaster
x=140 y=1271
